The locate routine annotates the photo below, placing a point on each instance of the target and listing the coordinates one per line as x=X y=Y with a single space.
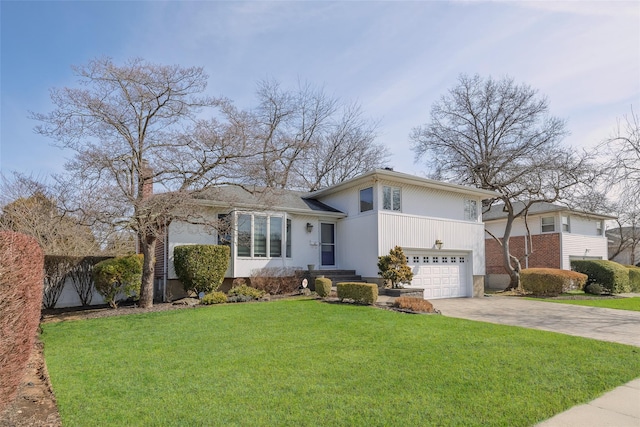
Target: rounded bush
x=594 y=289
x=201 y=268
x=244 y=292
x=118 y=278
x=214 y=298
x=323 y=287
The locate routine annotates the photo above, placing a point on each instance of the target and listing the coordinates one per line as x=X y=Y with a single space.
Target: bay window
x=260 y=236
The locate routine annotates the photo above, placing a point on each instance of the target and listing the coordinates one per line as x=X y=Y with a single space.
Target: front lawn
x=303 y=363
x=632 y=304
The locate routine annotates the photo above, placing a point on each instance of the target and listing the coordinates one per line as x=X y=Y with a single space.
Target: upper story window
x=599 y=228
x=391 y=198
x=260 y=236
x=366 y=199
x=471 y=210
x=566 y=224
x=548 y=224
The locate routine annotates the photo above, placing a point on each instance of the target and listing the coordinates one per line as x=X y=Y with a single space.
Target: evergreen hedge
x=613 y=277
x=201 y=268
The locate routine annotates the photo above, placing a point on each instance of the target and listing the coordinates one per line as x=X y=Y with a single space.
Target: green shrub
x=551 y=281
x=201 y=268
x=393 y=268
x=214 y=298
x=613 y=277
x=323 y=286
x=634 y=278
x=362 y=293
x=118 y=278
x=594 y=289
x=244 y=293
x=276 y=280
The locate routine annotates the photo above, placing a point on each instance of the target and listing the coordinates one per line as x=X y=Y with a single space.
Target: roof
x=404 y=178
x=248 y=197
x=496 y=211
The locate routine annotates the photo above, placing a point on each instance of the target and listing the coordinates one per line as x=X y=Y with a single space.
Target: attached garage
x=441 y=275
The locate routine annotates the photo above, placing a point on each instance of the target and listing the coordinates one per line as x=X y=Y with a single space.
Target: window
x=599 y=228
x=244 y=235
x=471 y=210
x=224 y=229
x=548 y=224
x=425 y=259
x=366 y=199
x=288 y=233
x=435 y=259
x=275 y=236
x=566 y=226
x=391 y=198
x=260 y=236
x=416 y=260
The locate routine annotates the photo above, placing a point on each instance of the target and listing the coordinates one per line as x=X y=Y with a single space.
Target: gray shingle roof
x=263 y=198
x=496 y=212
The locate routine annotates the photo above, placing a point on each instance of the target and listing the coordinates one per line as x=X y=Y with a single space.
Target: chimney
x=147 y=179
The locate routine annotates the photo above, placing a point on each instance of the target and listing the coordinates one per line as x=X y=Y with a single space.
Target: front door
x=328 y=244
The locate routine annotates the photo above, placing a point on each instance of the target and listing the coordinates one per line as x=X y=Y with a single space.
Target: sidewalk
x=618 y=408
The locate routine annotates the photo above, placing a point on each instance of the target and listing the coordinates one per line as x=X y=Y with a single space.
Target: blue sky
x=395 y=58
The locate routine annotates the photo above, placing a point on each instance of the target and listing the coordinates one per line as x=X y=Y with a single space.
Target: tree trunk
x=148 y=248
x=513 y=271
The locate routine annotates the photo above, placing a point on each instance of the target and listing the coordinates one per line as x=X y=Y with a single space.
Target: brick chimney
x=147 y=179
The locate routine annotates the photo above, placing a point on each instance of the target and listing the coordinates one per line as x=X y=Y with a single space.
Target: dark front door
x=328 y=244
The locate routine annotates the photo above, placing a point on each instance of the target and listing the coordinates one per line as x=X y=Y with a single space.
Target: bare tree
x=498 y=135
x=135 y=125
x=309 y=139
x=622 y=150
x=28 y=206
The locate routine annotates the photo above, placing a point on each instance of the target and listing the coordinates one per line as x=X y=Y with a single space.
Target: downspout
x=165 y=273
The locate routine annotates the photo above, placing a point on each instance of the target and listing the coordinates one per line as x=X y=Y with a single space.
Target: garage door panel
x=441 y=276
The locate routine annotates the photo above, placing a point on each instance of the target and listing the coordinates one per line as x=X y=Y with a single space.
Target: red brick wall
x=545 y=252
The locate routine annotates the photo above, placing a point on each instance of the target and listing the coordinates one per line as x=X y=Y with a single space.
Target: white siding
x=357 y=244
x=576 y=246
x=69 y=297
x=414 y=232
x=583 y=225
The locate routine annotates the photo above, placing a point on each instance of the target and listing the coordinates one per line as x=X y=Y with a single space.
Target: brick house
x=556 y=235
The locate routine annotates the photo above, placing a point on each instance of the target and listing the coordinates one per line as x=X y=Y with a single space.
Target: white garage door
x=441 y=276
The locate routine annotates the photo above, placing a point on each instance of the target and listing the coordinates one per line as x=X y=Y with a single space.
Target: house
x=555 y=234
x=346 y=226
x=625 y=250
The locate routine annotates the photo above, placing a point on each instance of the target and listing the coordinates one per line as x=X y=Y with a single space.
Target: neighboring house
x=629 y=253
x=556 y=236
x=346 y=227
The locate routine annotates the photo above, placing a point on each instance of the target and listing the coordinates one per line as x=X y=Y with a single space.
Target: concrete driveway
x=604 y=324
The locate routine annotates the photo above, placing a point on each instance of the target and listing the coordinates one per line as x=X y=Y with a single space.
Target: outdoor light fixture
x=309 y=227
x=439 y=244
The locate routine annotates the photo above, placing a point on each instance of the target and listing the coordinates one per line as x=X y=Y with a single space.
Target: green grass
x=301 y=363
x=632 y=304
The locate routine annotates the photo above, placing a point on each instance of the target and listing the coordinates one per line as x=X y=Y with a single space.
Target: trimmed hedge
x=21 y=280
x=362 y=293
x=551 y=281
x=118 y=277
x=613 y=277
x=323 y=286
x=634 y=278
x=201 y=268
